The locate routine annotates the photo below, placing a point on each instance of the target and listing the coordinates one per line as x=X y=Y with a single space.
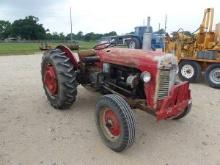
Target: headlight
x=145 y=76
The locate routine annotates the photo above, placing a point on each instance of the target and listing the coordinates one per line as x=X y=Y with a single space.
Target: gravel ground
x=33 y=133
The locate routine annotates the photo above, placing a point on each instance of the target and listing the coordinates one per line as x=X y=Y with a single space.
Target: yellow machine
x=199 y=52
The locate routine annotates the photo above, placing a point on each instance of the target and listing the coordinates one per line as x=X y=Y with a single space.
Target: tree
x=28 y=28
x=68 y=36
x=79 y=35
x=61 y=36
x=49 y=36
x=55 y=36
x=89 y=36
x=112 y=33
x=5 y=29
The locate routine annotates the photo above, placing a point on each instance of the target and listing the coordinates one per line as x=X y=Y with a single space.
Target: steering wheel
x=103 y=46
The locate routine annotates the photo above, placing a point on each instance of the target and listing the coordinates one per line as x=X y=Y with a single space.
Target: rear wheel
x=59 y=79
x=189 y=71
x=212 y=75
x=115 y=122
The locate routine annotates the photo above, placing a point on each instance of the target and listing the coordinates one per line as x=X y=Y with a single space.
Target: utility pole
x=71 y=25
x=165 y=28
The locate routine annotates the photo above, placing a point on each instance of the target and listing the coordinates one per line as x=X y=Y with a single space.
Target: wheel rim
x=50 y=80
x=214 y=76
x=187 y=71
x=132 y=45
x=110 y=124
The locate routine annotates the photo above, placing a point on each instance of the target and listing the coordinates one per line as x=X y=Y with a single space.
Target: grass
x=87 y=45
x=31 y=48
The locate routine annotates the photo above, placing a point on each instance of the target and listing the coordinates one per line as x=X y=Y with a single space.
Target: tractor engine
x=122 y=79
x=111 y=77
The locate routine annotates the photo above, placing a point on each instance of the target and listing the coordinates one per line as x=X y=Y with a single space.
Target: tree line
x=29 y=28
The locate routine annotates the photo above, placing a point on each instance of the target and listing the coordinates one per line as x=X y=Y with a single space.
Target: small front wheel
x=115 y=122
x=184 y=113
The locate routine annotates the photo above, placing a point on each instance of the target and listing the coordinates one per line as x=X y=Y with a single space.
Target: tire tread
x=126 y=115
x=66 y=79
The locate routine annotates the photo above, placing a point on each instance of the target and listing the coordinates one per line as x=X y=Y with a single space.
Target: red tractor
x=128 y=79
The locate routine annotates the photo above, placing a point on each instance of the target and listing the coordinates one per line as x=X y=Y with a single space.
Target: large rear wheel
x=115 y=122
x=59 y=79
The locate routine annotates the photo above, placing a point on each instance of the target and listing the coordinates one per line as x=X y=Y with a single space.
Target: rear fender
x=74 y=57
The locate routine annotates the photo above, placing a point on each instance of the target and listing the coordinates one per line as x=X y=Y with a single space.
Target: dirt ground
x=33 y=133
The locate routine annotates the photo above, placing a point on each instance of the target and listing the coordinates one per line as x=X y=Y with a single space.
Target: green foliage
x=55 y=36
x=112 y=33
x=79 y=35
x=28 y=28
x=92 y=36
x=5 y=28
x=89 y=36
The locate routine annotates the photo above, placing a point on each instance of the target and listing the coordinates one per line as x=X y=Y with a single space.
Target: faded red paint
x=139 y=59
x=142 y=60
x=134 y=58
x=50 y=79
x=73 y=56
x=175 y=103
x=112 y=122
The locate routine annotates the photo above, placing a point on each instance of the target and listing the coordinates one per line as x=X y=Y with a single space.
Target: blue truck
x=135 y=40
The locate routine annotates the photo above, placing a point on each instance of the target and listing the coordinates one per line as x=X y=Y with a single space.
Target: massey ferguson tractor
x=127 y=78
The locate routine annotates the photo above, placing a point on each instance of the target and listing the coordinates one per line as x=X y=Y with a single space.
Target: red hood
x=130 y=57
x=139 y=59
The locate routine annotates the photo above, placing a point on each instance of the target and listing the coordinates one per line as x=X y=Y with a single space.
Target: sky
x=101 y=16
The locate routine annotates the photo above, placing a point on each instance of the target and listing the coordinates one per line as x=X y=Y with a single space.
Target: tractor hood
x=140 y=59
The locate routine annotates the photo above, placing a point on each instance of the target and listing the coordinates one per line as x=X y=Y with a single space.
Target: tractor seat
x=88 y=56
x=86 y=53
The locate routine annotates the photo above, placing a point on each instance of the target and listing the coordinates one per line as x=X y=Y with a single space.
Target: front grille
x=164 y=84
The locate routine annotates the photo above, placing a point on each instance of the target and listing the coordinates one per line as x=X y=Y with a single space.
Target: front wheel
x=212 y=75
x=184 y=113
x=115 y=122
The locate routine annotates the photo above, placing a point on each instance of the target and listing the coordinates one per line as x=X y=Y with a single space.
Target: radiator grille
x=164 y=84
